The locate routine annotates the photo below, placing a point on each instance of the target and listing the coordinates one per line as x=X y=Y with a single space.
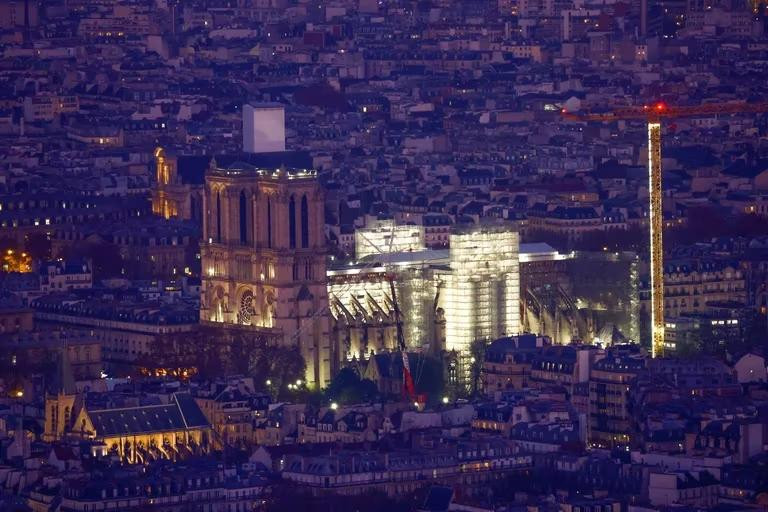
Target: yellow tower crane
x=653 y=114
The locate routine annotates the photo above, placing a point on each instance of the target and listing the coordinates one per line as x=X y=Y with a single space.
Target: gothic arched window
x=243 y=219
x=269 y=222
x=292 y=222
x=304 y=222
x=218 y=216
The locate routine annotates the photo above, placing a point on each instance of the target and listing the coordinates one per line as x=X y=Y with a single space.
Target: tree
x=312 y=397
x=428 y=377
x=105 y=258
x=287 y=366
x=38 y=246
x=106 y=261
x=348 y=388
x=346 y=378
x=278 y=365
x=215 y=352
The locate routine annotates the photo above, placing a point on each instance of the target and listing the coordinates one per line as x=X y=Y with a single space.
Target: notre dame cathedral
x=264 y=258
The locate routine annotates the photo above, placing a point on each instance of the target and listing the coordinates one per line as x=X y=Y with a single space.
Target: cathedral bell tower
x=263 y=259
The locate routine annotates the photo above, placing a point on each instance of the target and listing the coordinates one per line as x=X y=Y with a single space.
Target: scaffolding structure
x=474 y=286
x=367 y=297
x=482 y=292
x=384 y=236
x=416 y=291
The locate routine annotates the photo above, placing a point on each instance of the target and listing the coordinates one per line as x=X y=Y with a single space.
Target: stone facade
x=264 y=259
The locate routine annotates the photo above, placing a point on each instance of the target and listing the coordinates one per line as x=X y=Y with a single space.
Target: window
x=292 y=222
x=269 y=222
x=218 y=216
x=304 y=222
x=243 y=219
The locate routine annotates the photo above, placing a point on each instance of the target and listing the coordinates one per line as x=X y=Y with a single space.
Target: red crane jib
x=662 y=110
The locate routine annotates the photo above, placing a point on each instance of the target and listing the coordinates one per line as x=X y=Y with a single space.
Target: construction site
x=487 y=285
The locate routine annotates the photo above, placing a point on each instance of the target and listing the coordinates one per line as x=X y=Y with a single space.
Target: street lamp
x=334 y=406
x=445 y=400
x=269 y=382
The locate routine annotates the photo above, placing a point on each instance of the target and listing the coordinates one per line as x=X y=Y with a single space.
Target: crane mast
x=656 y=221
x=653 y=116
